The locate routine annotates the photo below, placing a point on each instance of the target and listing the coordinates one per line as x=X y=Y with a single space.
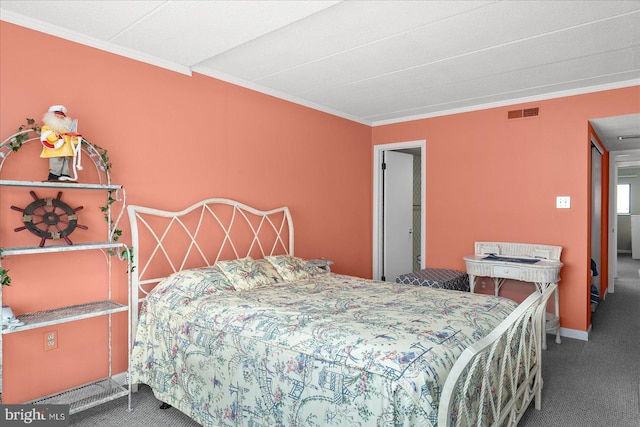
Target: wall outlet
x=563 y=202
x=50 y=340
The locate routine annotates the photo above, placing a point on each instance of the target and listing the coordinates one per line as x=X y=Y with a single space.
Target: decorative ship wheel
x=49 y=219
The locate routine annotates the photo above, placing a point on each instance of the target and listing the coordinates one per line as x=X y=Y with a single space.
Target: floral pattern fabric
x=326 y=351
x=292 y=268
x=268 y=270
x=244 y=273
x=195 y=283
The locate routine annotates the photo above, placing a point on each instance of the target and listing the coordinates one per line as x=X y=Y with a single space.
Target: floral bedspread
x=331 y=350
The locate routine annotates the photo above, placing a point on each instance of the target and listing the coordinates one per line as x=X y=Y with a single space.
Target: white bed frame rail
x=513 y=350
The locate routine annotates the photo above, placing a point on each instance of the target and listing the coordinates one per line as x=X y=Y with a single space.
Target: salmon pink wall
x=494 y=179
x=172 y=140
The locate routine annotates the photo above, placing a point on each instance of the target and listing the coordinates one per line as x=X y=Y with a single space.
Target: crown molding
x=513 y=101
x=277 y=94
x=63 y=33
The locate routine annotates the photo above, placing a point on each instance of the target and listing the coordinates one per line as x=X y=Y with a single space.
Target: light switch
x=563 y=202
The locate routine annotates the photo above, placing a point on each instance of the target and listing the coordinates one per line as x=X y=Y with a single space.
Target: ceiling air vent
x=527 y=112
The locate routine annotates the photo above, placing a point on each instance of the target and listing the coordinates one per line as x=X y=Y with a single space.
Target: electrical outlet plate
x=563 y=202
x=50 y=340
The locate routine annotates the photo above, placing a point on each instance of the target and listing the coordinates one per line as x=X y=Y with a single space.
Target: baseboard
x=573 y=333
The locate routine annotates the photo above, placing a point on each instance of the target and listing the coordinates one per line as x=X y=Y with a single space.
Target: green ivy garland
x=20 y=139
x=5 y=280
x=16 y=143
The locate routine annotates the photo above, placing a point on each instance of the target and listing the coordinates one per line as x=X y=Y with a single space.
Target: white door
x=398 y=215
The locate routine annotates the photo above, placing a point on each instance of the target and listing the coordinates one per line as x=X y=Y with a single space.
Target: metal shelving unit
x=60 y=185
x=105 y=389
x=86 y=396
x=71 y=313
x=26 y=250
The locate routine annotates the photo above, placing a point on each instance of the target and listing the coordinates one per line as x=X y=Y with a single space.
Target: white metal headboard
x=165 y=242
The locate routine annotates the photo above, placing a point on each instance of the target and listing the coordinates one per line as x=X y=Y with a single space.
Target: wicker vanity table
x=538 y=264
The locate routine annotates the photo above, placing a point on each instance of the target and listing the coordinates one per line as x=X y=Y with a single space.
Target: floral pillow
x=195 y=282
x=244 y=273
x=292 y=268
x=213 y=280
x=268 y=270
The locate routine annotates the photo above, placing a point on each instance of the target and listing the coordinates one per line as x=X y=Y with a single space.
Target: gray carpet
x=593 y=383
x=596 y=383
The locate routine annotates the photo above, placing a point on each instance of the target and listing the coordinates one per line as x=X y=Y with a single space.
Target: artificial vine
x=105 y=209
x=5 y=280
x=20 y=139
x=128 y=255
x=16 y=143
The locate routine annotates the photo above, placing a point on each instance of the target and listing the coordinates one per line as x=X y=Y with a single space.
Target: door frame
x=616 y=159
x=595 y=223
x=378 y=151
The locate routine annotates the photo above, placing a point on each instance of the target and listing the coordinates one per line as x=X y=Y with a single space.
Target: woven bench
x=439 y=278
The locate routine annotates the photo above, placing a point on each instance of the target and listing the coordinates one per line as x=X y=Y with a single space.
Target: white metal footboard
x=494 y=381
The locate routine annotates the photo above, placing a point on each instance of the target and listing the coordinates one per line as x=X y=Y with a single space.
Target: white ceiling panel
x=98 y=19
x=339 y=29
x=375 y=62
x=192 y=31
x=427 y=46
x=441 y=89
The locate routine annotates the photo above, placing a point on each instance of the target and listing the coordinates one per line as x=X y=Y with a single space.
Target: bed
x=231 y=328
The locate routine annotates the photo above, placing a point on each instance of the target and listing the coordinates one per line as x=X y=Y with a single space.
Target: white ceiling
x=374 y=62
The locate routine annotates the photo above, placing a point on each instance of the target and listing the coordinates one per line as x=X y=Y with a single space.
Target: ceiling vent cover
x=527 y=112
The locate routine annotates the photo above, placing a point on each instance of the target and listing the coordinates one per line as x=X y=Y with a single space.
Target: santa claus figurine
x=60 y=144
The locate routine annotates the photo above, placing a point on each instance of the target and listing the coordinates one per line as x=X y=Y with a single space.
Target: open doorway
x=625 y=209
x=398 y=240
x=621 y=137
